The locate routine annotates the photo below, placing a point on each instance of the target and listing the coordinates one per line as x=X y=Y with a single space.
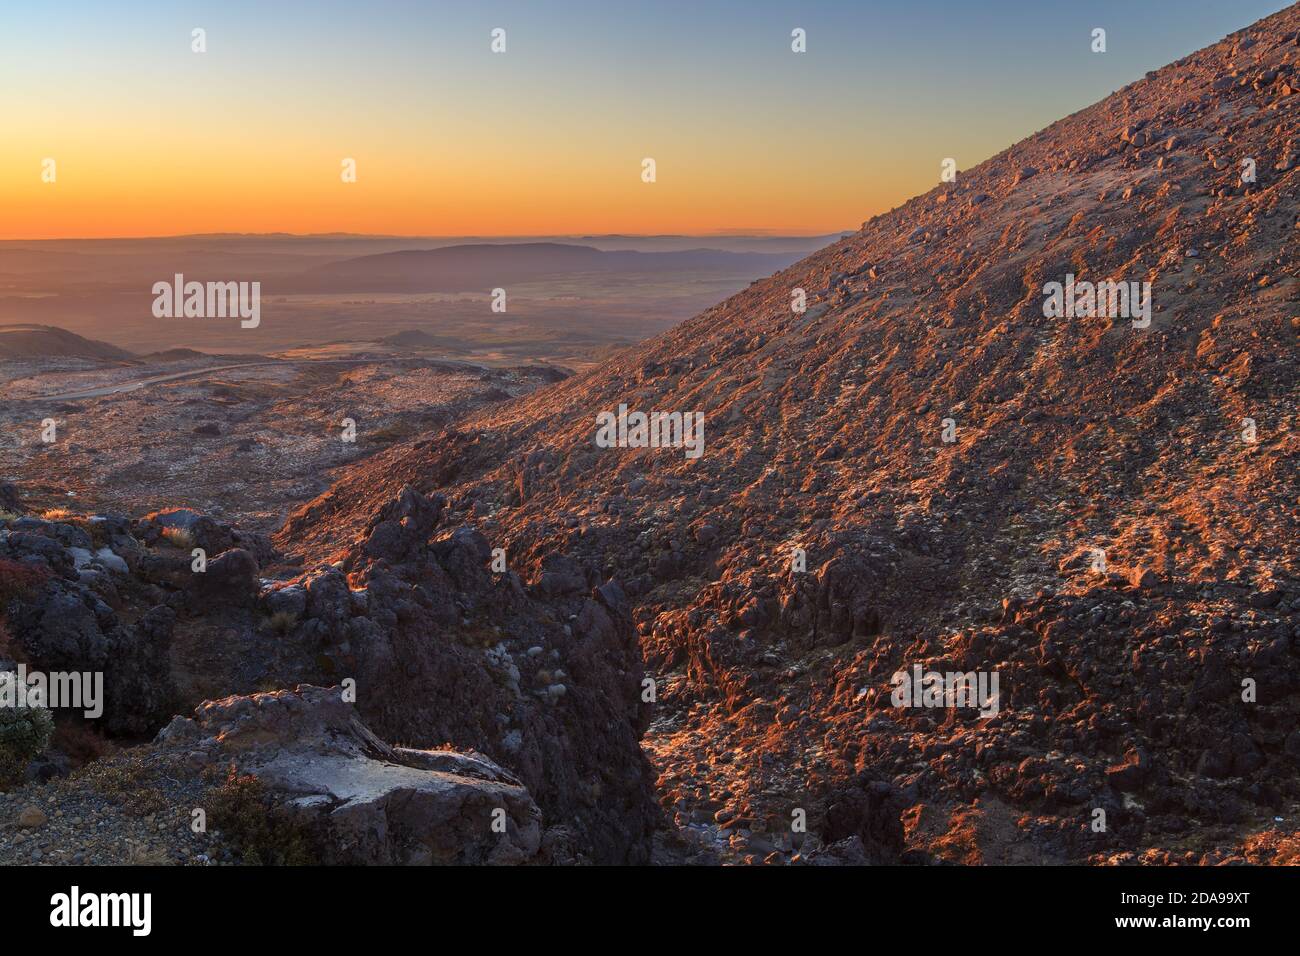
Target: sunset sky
x=150 y=138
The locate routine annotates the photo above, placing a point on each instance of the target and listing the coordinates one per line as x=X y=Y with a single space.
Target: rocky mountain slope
x=1101 y=510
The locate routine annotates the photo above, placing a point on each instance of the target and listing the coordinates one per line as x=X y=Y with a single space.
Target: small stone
x=1144 y=579
x=1265 y=599
x=32 y=817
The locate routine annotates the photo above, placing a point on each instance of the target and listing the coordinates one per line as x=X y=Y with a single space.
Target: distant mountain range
x=474 y=267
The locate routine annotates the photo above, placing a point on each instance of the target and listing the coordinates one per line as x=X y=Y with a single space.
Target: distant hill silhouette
x=47 y=341
x=487 y=265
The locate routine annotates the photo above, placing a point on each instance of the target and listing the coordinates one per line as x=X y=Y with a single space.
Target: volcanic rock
x=363 y=801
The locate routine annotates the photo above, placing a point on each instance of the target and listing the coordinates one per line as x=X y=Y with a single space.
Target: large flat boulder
x=363 y=801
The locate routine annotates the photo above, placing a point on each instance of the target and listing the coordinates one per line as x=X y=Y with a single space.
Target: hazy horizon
x=480 y=237
x=571 y=297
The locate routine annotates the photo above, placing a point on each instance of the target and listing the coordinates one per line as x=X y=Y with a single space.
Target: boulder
x=205 y=532
x=402 y=525
x=231 y=579
x=561 y=575
x=364 y=801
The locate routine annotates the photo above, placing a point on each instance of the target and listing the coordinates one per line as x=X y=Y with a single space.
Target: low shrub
x=133 y=779
x=251 y=820
x=178 y=538
x=24 y=733
x=81 y=742
x=10 y=650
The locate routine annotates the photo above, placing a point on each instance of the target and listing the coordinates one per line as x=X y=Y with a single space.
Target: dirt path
x=152 y=380
x=175 y=376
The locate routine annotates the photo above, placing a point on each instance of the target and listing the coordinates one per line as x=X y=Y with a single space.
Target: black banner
x=308 y=904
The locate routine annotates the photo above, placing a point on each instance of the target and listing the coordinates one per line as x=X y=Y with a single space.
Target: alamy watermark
x=1086 y=300
x=936 y=689
x=76 y=909
x=57 y=690
x=626 y=429
x=208 y=300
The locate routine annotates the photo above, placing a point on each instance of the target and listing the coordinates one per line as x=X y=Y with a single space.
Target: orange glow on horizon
x=98 y=194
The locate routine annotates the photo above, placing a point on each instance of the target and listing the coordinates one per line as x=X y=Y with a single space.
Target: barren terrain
x=632 y=655
x=243 y=438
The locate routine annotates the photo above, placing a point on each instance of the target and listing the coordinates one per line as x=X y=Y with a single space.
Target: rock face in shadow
x=61 y=600
x=445 y=650
x=438 y=649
